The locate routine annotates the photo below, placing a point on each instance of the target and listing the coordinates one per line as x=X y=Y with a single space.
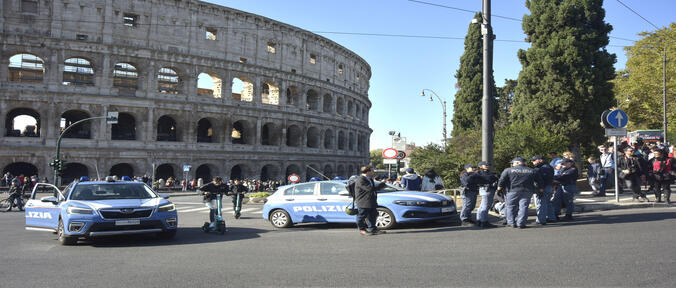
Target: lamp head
x=422 y=94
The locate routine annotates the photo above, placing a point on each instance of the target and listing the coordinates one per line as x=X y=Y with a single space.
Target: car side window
x=301 y=190
x=331 y=188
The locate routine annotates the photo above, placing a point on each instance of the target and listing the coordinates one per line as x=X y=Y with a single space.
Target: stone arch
x=270 y=134
x=350 y=108
x=313 y=137
x=341 y=172
x=22 y=122
x=357 y=112
x=245 y=88
x=350 y=143
x=125 y=76
x=239 y=171
x=20 y=168
x=168 y=80
x=329 y=139
x=165 y=171
x=242 y=132
x=292 y=169
x=27 y=68
x=293 y=136
x=269 y=172
x=206 y=172
x=342 y=142
x=205 y=131
x=73 y=171
x=328 y=171
x=167 y=130
x=82 y=130
x=121 y=169
x=312 y=100
x=78 y=71
x=340 y=106
x=125 y=129
x=209 y=84
x=270 y=93
x=328 y=102
x=292 y=98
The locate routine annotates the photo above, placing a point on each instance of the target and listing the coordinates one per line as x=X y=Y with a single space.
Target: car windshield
x=111 y=192
x=389 y=188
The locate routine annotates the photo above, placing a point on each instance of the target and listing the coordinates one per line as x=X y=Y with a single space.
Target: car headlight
x=410 y=203
x=79 y=210
x=167 y=208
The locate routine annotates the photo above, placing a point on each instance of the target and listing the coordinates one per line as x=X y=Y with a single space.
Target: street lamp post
x=443 y=107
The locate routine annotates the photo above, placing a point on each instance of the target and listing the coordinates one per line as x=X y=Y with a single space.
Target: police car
x=325 y=201
x=100 y=208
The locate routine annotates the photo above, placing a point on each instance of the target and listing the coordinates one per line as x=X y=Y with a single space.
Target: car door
x=334 y=197
x=299 y=201
x=42 y=209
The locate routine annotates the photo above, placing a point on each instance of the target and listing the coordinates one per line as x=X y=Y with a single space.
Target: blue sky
x=403 y=66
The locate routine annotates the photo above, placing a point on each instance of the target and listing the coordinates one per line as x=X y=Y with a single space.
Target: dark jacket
x=632 y=164
x=568 y=176
x=491 y=178
x=365 y=192
x=520 y=178
x=547 y=174
x=472 y=181
x=411 y=182
x=210 y=190
x=238 y=189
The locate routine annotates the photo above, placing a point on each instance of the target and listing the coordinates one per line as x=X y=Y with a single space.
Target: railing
x=455 y=192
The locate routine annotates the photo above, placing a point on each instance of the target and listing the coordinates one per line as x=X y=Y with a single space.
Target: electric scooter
x=218 y=225
x=238 y=205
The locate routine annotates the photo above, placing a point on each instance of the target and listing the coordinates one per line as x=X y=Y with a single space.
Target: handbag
x=350 y=209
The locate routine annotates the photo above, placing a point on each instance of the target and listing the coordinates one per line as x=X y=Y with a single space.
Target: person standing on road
x=662 y=174
x=367 y=201
x=567 y=189
x=543 y=203
x=630 y=171
x=210 y=191
x=521 y=182
x=487 y=192
x=431 y=181
x=237 y=188
x=411 y=181
x=607 y=169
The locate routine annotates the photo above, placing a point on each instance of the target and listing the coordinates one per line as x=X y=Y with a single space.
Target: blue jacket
x=567 y=176
x=520 y=178
x=547 y=174
x=473 y=180
x=411 y=182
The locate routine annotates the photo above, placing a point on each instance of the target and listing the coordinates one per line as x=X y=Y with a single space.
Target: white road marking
x=194 y=209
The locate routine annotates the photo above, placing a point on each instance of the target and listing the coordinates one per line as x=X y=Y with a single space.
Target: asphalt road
x=630 y=248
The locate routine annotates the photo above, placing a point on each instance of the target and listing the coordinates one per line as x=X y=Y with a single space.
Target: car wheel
x=385 y=219
x=63 y=239
x=280 y=219
x=169 y=234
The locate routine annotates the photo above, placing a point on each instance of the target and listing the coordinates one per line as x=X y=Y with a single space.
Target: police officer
x=520 y=182
x=470 y=181
x=487 y=192
x=543 y=204
x=567 y=189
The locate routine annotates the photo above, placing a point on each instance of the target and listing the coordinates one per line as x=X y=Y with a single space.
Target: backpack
x=350 y=188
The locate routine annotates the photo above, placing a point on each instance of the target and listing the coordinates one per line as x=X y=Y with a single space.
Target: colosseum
x=222 y=91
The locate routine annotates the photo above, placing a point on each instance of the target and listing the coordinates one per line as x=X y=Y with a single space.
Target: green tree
x=467 y=103
x=565 y=85
x=376 y=158
x=505 y=98
x=639 y=86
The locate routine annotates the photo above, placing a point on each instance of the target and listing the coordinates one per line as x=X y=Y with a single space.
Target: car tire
x=63 y=239
x=167 y=235
x=385 y=219
x=280 y=218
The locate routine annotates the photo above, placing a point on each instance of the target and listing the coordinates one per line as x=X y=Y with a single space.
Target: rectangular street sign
x=111 y=117
x=389 y=161
x=616 y=132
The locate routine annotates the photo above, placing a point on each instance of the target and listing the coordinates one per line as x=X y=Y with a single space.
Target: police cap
x=469 y=166
x=482 y=163
x=518 y=159
x=536 y=157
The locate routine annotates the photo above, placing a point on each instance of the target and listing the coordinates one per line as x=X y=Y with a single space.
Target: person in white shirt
x=607 y=170
x=431 y=181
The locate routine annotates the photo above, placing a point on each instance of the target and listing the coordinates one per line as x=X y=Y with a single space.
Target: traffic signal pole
x=57 y=161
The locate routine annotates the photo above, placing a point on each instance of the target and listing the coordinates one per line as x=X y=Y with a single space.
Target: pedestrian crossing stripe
x=204 y=209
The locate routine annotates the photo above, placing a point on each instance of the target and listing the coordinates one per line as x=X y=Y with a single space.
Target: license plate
x=127 y=222
x=446 y=209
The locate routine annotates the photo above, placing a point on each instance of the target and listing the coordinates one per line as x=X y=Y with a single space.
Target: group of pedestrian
x=430 y=181
x=217 y=187
x=19 y=185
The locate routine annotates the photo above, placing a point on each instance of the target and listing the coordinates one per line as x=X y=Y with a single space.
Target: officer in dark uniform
x=567 y=189
x=470 y=181
x=487 y=192
x=521 y=182
x=543 y=204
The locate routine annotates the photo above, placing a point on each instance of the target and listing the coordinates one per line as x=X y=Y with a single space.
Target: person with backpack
x=662 y=174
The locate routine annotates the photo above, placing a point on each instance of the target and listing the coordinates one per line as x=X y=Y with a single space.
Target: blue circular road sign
x=618 y=119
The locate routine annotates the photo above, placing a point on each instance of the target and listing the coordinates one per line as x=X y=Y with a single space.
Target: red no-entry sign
x=390 y=153
x=293 y=178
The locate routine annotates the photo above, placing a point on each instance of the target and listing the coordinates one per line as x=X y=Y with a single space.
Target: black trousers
x=633 y=183
x=235 y=202
x=662 y=186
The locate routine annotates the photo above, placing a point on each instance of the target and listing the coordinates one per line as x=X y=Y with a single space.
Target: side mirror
x=164 y=195
x=50 y=199
x=344 y=193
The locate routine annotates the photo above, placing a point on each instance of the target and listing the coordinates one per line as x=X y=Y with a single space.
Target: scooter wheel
x=205 y=227
x=221 y=228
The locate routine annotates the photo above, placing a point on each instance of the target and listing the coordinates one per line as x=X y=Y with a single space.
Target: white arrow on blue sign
x=618 y=119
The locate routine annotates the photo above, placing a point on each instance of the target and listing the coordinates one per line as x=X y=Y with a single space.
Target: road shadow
x=617 y=219
x=184 y=236
x=451 y=224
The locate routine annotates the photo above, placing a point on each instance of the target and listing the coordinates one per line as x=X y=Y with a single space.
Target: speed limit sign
x=293 y=178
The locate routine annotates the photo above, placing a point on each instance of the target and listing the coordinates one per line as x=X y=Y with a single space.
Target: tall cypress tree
x=467 y=103
x=565 y=83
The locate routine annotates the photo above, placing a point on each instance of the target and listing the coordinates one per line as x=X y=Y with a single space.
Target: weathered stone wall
x=173 y=34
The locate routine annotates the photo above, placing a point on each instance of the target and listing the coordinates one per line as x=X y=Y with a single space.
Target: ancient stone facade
x=296 y=100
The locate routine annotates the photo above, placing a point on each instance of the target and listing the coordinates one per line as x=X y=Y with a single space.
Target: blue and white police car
x=100 y=208
x=325 y=201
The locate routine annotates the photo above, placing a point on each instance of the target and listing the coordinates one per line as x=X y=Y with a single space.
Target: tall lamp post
x=664 y=87
x=443 y=107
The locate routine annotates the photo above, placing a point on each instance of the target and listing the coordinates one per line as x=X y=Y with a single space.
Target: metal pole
x=487 y=105
x=57 y=179
x=664 y=94
x=617 y=183
x=444 y=107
